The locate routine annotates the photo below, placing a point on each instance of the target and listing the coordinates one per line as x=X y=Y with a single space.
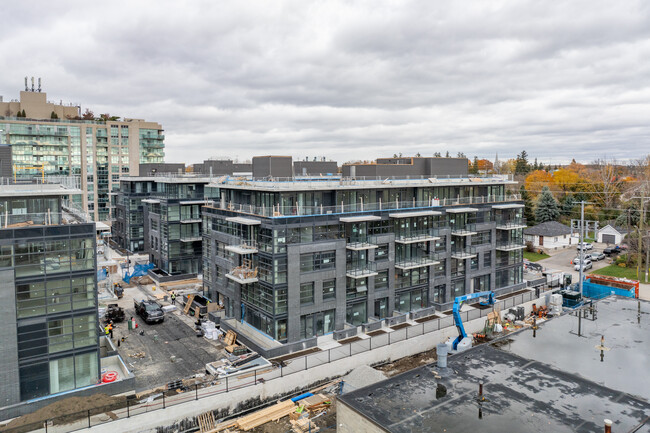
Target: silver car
x=597 y=255
x=585 y=265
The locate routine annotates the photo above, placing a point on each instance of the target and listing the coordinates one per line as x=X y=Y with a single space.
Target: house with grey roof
x=550 y=234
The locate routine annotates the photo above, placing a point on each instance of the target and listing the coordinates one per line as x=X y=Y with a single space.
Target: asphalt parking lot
x=561 y=260
x=162 y=352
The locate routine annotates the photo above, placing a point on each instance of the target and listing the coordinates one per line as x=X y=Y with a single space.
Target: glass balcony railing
x=361 y=242
x=464 y=230
x=361 y=269
x=511 y=223
x=415 y=262
x=510 y=245
x=463 y=252
x=413 y=236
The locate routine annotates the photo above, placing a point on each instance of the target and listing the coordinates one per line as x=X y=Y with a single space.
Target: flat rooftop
x=327 y=183
x=39 y=189
x=552 y=380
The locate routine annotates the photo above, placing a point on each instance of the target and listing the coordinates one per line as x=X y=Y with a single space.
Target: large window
x=381 y=280
x=317 y=261
x=329 y=290
x=306 y=293
x=320 y=323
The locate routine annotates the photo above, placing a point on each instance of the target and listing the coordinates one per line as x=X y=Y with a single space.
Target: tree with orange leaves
x=537 y=180
x=569 y=181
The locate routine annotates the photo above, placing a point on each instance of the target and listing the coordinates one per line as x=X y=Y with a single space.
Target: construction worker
x=110 y=329
x=107 y=330
x=173 y=298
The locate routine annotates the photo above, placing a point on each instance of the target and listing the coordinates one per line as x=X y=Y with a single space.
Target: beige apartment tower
x=54 y=136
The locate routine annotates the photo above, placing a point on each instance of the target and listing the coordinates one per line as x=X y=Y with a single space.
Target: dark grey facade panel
x=314 y=168
x=274 y=166
x=153 y=168
x=5 y=161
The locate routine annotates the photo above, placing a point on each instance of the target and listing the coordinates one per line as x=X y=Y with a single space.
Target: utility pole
x=581 y=244
x=639 y=233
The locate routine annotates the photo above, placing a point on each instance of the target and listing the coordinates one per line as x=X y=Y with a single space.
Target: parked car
x=612 y=250
x=585 y=265
x=585 y=245
x=150 y=311
x=596 y=256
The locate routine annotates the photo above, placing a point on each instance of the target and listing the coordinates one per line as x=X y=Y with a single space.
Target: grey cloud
x=351 y=80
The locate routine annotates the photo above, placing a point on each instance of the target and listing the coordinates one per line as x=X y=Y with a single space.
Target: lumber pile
x=188 y=303
x=315 y=403
x=206 y=422
x=271 y=413
x=304 y=425
x=230 y=340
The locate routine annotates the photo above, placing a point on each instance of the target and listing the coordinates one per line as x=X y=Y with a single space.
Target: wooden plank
x=188 y=304
x=179 y=283
x=272 y=413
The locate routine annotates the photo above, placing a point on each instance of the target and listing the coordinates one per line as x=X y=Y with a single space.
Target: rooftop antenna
x=26 y=87
x=39 y=84
x=32 y=84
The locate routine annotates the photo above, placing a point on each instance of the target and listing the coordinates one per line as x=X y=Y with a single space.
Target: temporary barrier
x=138 y=271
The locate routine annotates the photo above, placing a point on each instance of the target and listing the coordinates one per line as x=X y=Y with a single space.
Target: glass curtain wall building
x=97 y=151
x=301 y=258
x=50 y=338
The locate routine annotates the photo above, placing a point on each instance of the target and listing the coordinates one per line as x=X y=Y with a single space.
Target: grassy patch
x=617 y=271
x=534 y=257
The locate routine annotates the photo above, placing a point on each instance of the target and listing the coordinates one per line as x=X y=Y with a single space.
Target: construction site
x=529 y=349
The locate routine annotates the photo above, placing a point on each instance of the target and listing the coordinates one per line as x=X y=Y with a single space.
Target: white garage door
x=609 y=239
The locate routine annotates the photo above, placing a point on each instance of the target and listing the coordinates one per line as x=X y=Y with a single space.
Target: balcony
x=190 y=220
x=510 y=245
x=511 y=223
x=463 y=253
x=361 y=270
x=191 y=238
x=243 y=275
x=415 y=262
x=414 y=236
x=359 y=243
x=243 y=248
x=466 y=230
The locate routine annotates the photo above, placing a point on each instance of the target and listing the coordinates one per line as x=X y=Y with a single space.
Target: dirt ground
x=408 y=363
x=76 y=407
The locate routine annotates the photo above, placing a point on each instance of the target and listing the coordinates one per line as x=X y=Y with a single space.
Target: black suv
x=150 y=311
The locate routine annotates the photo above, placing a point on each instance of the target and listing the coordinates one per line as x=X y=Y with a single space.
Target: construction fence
x=131 y=407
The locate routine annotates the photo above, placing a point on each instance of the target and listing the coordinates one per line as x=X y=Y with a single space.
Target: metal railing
x=416 y=235
x=361 y=269
x=510 y=223
x=463 y=252
x=128 y=407
x=415 y=262
x=36 y=182
x=303 y=210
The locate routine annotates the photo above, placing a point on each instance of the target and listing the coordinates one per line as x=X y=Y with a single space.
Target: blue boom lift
x=458 y=302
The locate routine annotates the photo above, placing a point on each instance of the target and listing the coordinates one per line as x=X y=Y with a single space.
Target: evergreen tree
x=528 y=206
x=568 y=204
x=23 y=115
x=460 y=155
x=473 y=169
x=436 y=155
x=447 y=154
x=522 y=166
x=54 y=115
x=547 y=208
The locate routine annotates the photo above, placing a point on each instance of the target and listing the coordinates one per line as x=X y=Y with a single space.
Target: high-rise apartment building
x=304 y=257
x=49 y=338
x=53 y=137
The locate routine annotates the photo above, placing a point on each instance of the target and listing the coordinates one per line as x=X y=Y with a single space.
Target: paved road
x=561 y=260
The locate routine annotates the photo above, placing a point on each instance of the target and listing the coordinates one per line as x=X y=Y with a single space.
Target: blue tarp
x=138 y=271
x=598 y=291
x=102 y=274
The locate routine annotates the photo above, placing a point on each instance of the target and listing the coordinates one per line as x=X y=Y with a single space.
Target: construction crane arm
x=458 y=303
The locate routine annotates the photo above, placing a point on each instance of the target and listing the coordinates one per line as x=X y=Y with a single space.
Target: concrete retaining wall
x=148 y=422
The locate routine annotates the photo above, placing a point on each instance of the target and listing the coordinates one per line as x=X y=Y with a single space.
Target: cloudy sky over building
x=350 y=79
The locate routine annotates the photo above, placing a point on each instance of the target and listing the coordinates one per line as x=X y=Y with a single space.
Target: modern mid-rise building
x=161 y=215
x=52 y=139
x=49 y=338
x=301 y=258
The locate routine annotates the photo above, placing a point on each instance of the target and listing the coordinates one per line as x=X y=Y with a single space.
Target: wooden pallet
x=271 y=413
x=206 y=422
x=188 y=304
x=304 y=425
x=230 y=338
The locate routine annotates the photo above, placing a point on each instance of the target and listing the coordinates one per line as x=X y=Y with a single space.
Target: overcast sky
x=350 y=79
